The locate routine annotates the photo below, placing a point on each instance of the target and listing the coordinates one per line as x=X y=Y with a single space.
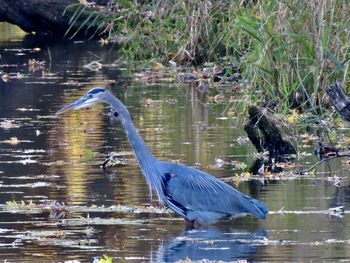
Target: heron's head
x=93 y=96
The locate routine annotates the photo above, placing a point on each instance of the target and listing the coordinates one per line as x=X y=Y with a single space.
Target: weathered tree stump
x=265 y=135
x=50 y=16
x=339 y=100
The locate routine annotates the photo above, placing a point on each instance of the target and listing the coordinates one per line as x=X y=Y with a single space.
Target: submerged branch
x=322 y=161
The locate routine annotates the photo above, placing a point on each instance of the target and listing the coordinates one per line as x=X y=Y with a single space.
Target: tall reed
x=286 y=49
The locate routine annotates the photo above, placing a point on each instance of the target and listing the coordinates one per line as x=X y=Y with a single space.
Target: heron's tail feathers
x=255 y=207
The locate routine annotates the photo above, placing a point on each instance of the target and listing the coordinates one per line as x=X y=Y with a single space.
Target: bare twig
x=322 y=161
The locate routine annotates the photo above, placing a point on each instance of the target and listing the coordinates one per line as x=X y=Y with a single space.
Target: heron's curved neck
x=143 y=154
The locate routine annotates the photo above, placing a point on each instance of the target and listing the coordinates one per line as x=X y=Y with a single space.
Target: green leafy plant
x=286 y=50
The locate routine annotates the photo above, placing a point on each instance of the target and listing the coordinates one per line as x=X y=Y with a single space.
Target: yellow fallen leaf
x=14 y=140
x=247 y=174
x=104 y=41
x=312 y=173
x=5 y=77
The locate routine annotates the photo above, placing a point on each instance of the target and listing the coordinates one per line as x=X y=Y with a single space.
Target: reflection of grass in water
x=10 y=32
x=88 y=155
x=78 y=148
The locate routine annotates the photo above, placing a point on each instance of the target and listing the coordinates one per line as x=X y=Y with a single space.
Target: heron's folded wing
x=197 y=190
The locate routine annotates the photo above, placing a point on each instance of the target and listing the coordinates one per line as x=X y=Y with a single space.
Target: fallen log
x=265 y=135
x=339 y=100
x=52 y=17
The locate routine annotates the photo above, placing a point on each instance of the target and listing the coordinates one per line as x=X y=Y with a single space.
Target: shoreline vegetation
x=287 y=50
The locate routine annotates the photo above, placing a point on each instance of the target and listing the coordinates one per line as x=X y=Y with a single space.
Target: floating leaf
x=14 y=140
x=5 y=77
x=105 y=259
x=104 y=41
x=8 y=124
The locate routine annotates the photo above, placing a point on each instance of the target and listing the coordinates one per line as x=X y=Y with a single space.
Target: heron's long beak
x=78 y=104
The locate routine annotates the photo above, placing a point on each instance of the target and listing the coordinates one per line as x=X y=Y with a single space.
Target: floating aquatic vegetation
x=5 y=77
x=9 y=124
x=27 y=156
x=101 y=221
x=32 y=177
x=29 y=151
x=15 y=140
x=242 y=140
x=104 y=259
x=14 y=206
x=24 y=161
x=121 y=209
x=265 y=176
x=17 y=75
x=337 y=180
x=30 y=50
x=28 y=185
x=27 y=109
x=35 y=65
x=59 y=163
x=46 y=116
x=116 y=158
x=94 y=66
x=57 y=207
x=5 y=230
x=148 y=102
x=336 y=211
x=219 y=163
x=40 y=82
x=57 y=237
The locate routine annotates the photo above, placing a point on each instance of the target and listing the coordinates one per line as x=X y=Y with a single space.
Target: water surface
x=110 y=212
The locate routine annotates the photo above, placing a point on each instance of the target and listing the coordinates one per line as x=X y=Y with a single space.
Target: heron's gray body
x=201 y=197
x=189 y=192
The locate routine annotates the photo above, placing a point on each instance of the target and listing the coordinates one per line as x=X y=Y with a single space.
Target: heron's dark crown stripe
x=96 y=90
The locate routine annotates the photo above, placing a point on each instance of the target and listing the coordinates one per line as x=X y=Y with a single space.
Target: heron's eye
x=90 y=96
x=116 y=114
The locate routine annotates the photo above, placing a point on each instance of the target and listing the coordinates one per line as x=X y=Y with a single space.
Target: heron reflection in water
x=193 y=194
x=211 y=245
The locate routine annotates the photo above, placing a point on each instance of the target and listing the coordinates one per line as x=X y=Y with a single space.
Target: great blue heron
x=195 y=195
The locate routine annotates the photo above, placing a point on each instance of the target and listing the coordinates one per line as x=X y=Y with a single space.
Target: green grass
x=288 y=50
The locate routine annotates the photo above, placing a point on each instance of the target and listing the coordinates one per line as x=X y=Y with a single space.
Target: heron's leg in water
x=189 y=225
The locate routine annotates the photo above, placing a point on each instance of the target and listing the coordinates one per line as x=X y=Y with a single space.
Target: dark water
x=111 y=212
